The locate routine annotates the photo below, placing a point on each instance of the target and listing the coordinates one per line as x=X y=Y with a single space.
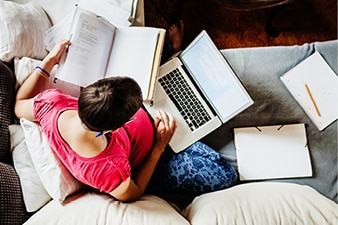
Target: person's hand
x=55 y=54
x=165 y=126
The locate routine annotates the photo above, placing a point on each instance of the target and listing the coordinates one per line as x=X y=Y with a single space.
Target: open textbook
x=99 y=50
x=314 y=85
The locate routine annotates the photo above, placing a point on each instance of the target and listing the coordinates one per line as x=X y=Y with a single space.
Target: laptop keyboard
x=180 y=93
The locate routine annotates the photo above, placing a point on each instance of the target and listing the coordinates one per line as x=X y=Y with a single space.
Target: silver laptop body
x=200 y=90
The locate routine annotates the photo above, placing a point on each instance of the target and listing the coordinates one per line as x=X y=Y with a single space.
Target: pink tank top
x=126 y=149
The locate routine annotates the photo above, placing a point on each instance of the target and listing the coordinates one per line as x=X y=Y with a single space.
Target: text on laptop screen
x=214 y=77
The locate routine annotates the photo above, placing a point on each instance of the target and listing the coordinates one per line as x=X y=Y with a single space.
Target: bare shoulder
x=25 y=109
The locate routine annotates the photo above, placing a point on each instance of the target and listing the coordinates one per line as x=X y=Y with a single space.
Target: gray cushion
x=7 y=92
x=12 y=207
x=259 y=70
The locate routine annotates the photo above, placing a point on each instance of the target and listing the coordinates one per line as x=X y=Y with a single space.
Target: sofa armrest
x=12 y=206
x=7 y=96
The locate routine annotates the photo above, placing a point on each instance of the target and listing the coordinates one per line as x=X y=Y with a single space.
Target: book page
x=122 y=10
x=315 y=87
x=133 y=54
x=58 y=32
x=86 y=59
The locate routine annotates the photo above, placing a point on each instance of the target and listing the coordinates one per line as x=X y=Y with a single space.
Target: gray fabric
x=259 y=70
x=12 y=206
x=7 y=92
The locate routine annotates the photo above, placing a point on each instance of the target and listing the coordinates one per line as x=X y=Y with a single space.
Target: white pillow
x=263 y=203
x=24 y=66
x=34 y=194
x=22 y=30
x=98 y=208
x=57 y=180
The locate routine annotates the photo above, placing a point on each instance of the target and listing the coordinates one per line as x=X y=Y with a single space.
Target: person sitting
x=108 y=141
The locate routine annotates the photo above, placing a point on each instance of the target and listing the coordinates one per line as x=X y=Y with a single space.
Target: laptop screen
x=215 y=77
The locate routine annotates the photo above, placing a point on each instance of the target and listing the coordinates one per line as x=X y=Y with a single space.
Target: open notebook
x=314 y=85
x=268 y=152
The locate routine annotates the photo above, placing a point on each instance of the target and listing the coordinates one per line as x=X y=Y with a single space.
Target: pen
x=311 y=97
x=102 y=133
x=108 y=131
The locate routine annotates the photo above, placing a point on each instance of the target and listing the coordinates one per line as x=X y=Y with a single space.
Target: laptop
x=201 y=91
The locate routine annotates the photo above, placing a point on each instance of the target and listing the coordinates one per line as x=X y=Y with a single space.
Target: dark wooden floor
x=301 y=22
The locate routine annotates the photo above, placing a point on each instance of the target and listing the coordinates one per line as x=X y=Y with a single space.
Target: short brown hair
x=109 y=103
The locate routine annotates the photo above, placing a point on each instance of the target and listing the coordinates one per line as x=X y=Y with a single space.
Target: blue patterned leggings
x=198 y=169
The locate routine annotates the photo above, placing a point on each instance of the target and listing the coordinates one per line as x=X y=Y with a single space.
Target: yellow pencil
x=311 y=97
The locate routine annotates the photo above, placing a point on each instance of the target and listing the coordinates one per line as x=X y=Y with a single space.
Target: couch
x=36 y=189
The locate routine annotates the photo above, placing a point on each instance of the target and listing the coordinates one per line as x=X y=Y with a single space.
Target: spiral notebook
x=314 y=85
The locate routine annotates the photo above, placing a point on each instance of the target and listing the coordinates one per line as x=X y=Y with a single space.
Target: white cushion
x=263 y=203
x=88 y=208
x=57 y=180
x=22 y=30
x=57 y=10
x=24 y=66
x=34 y=194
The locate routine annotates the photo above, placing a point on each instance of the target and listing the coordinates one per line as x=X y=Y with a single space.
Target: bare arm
x=132 y=189
x=34 y=83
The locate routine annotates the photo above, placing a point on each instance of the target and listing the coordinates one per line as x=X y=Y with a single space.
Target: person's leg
x=168 y=51
x=173 y=43
x=176 y=33
x=198 y=169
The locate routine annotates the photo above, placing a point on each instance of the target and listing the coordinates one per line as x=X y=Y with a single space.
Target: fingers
x=165 y=125
x=56 y=53
x=166 y=120
x=65 y=42
x=61 y=47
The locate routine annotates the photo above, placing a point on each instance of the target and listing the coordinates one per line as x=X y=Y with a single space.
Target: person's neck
x=81 y=139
